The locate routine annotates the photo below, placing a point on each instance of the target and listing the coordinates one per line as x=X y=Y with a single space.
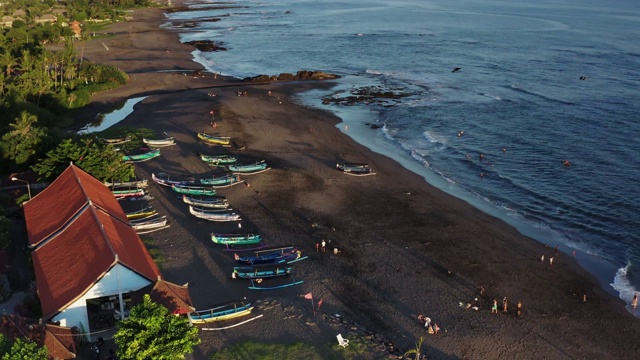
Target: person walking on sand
x=317 y=247
x=494 y=308
x=504 y=304
x=519 y=308
x=324 y=246
x=551 y=261
x=634 y=302
x=542 y=258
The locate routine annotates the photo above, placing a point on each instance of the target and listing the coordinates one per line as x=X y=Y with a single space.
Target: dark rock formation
x=207 y=45
x=367 y=95
x=300 y=75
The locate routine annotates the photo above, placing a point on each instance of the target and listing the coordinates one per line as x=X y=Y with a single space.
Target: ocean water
x=518 y=98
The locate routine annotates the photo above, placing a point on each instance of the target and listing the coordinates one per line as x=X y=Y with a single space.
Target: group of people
x=432 y=327
x=505 y=307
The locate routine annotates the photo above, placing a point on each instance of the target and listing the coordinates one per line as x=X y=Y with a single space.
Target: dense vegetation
x=41 y=88
x=21 y=349
x=152 y=332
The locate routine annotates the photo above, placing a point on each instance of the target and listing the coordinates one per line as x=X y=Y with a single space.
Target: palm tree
x=9 y=62
x=21 y=142
x=416 y=351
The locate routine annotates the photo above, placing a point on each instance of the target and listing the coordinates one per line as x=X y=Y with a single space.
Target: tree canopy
x=23 y=349
x=151 y=332
x=92 y=156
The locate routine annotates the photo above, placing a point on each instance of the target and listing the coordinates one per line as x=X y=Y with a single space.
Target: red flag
x=320 y=303
x=308 y=296
x=211 y=112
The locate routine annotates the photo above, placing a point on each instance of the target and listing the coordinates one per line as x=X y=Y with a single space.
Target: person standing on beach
x=317 y=247
x=494 y=308
x=634 y=302
x=551 y=261
x=519 y=308
x=504 y=304
x=324 y=246
x=542 y=258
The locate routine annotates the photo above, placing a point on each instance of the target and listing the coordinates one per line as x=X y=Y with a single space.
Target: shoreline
x=605 y=271
x=465 y=248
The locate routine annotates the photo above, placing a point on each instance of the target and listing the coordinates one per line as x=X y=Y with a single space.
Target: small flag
x=211 y=112
x=320 y=303
x=309 y=296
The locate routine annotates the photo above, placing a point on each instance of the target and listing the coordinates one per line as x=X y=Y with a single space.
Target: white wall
x=76 y=313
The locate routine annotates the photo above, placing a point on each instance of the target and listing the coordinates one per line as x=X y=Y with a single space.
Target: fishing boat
x=222 y=181
x=142 y=154
x=226 y=311
x=214 y=140
x=140 y=214
x=167 y=180
x=149 y=224
x=214 y=215
x=260 y=271
x=256 y=167
x=116 y=141
x=218 y=159
x=167 y=141
x=127 y=192
x=193 y=190
x=236 y=239
x=210 y=202
x=138 y=183
x=287 y=254
x=355 y=169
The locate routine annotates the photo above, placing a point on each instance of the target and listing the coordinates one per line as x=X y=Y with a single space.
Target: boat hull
x=192 y=190
x=222 y=313
x=248 y=239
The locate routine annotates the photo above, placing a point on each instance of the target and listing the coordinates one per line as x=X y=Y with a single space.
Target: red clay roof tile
x=81 y=249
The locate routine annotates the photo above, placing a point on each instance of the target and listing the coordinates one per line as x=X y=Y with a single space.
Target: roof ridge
x=60 y=230
x=75 y=175
x=104 y=233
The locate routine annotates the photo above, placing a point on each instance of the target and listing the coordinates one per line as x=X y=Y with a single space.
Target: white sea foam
x=381 y=72
x=389 y=133
x=434 y=138
x=495 y=97
x=622 y=284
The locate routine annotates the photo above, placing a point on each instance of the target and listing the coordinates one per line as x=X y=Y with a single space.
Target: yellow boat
x=228 y=311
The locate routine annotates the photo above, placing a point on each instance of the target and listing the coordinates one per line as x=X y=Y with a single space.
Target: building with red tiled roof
x=87 y=259
x=174 y=297
x=59 y=340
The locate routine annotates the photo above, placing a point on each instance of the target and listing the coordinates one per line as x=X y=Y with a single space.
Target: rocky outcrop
x=206 y=45
x=369 y=95
x=300 y=75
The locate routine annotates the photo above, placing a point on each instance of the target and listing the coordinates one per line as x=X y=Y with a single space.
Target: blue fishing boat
x=222 y=181
x=236 y=239
x=142 y=154
x=279 y=255
x=193 y=190
x=260 y=271
x=256 y=167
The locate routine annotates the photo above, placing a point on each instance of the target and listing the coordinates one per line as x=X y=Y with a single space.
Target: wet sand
x=406 y=247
